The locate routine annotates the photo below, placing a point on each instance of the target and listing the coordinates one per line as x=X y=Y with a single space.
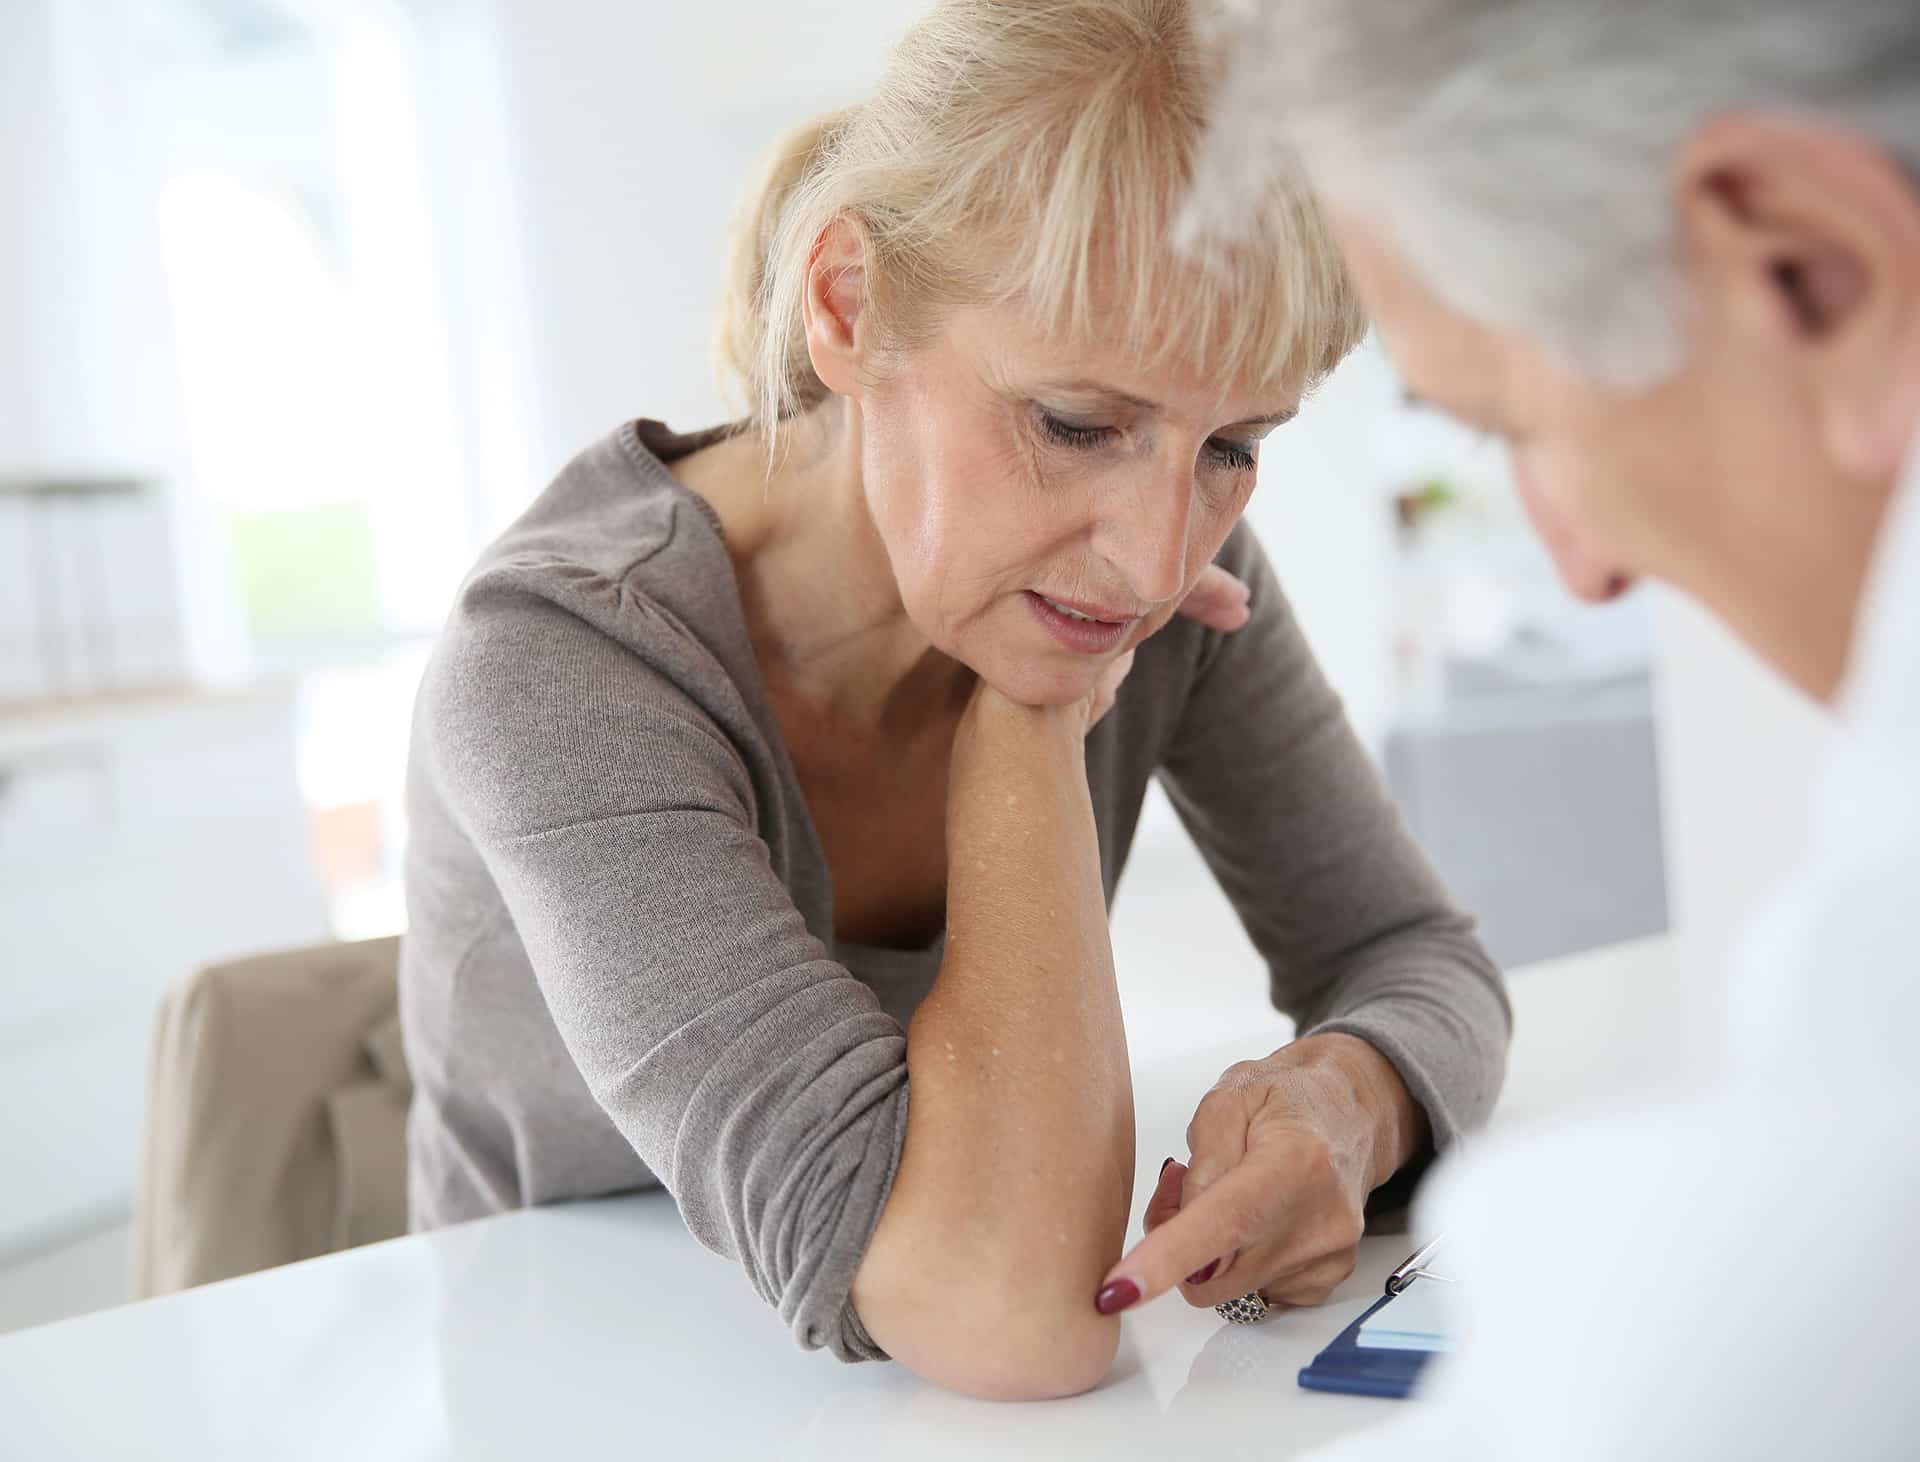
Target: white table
x=602 y=1329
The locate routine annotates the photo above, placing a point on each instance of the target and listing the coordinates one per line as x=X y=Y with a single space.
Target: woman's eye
x=1231 y=455
x=1068 y=434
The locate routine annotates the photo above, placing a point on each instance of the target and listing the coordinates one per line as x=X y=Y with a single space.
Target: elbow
x=1008 y=1352
x=991 y=1341
x=1033 y=1353
x=1050 y=1373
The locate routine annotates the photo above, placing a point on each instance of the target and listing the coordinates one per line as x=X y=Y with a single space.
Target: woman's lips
x=1099 y=633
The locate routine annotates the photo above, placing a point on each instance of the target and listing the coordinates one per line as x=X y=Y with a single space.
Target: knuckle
x=1240 y=1074
x=1315 y=1162
x=1214 y=1110
x=1340 y=1269
x=1348 y=1226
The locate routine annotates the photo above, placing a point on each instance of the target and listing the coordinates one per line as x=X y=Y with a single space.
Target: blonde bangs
x=1096 y=263
x=1039 y=152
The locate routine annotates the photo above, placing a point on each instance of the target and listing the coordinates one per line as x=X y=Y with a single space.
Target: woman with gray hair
x=1671 y=252
x=770 y=784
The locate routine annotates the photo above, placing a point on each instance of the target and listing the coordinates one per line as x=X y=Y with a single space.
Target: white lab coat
x=1733 y=1271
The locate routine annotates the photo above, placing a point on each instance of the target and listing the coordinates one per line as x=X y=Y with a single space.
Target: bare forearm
x=1015 y=1182
x=1018 y=1057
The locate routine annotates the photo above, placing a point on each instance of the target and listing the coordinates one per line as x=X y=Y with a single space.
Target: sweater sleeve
x=1287 y=808
x=757 y=1078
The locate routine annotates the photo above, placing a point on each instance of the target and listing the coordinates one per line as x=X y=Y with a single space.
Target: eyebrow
x=1141 y=403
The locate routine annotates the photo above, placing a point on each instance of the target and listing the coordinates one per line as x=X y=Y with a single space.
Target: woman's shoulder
x=613 y=517
x=619 y=548
x=607 y=613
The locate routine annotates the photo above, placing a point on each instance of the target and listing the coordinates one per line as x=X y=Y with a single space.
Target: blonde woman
x=770 y=784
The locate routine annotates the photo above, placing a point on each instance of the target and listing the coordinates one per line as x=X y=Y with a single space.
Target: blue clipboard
x=1359 y=1370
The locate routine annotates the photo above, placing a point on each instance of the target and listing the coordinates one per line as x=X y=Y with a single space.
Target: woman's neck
x=822 y=606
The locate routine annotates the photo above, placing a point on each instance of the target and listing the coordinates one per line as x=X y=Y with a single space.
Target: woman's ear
x=834 y=308
x=1805 y=240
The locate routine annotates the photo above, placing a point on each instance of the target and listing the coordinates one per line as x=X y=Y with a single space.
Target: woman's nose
x=1143 y=537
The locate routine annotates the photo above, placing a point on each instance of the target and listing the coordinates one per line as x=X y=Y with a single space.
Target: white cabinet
x=1541 y=808
x=139 y=837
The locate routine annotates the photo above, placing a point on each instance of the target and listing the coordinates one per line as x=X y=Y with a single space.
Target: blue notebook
x=1384 y=1351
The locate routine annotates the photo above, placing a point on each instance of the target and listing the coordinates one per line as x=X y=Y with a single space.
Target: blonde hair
x=1038 y=151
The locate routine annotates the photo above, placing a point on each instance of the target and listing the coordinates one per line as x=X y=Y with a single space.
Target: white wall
x=630 y=131
x=88 y=375
x=69 y=389
x=1323 y=510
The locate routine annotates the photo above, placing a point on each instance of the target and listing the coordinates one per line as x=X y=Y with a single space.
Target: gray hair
x=1517 y=151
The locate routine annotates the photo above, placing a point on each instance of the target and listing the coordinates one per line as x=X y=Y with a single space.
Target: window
x=309 y=309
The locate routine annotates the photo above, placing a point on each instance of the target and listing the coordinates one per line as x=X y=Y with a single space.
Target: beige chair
x=276 y=1116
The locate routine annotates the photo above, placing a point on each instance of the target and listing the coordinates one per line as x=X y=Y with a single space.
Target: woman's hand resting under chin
x=1218 y=600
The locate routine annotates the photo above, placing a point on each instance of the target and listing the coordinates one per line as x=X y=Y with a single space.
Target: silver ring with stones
x=1243 y=1311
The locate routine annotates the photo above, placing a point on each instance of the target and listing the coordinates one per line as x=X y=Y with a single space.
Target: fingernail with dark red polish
x=1117 y=1297
x=1164 y=1166
x=1201 y=1276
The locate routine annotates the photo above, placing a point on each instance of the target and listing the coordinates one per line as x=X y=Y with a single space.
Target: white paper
x=1418 y=1318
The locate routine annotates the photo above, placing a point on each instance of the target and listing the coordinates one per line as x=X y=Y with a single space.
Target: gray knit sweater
x=621 y=967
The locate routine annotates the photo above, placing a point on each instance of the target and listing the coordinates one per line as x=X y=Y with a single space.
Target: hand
x=1106 y=690
x=1285 y=1151
x=1218 y=600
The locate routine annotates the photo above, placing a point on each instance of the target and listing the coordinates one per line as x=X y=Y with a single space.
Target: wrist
x=1395 y=1123
x=995 y=721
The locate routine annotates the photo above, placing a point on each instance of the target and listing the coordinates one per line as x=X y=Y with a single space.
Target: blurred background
x=302 y=301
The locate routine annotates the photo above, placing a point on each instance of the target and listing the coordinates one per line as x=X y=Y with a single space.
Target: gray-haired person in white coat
x=1670 y=252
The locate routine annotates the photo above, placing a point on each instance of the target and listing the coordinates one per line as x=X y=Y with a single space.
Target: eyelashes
x=1228 y=456
x=1231 y=455
x=1084 y=438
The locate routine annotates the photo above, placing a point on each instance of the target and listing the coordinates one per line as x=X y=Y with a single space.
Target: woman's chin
x=1036 y=683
